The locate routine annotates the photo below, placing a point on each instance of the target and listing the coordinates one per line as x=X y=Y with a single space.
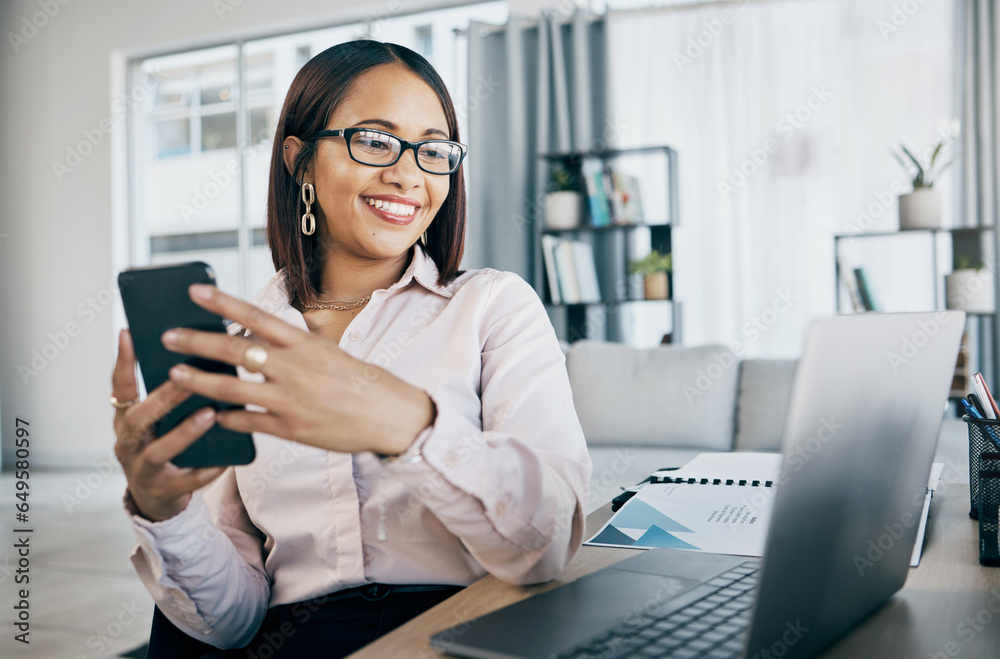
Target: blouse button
x=355 y=335
x=500 y=509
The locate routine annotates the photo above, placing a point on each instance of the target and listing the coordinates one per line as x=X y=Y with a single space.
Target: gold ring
x=115 y=403
x=254 y=358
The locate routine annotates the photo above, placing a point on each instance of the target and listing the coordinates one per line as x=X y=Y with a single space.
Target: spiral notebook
x=718 y=502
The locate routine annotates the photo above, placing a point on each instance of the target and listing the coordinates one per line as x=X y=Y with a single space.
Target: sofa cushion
x=765 y=390
x=668 y=396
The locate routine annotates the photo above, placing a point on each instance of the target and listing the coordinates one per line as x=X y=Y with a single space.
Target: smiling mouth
x=393 y=208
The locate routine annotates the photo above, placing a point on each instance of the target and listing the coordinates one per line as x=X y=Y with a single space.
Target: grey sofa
x=645 y=409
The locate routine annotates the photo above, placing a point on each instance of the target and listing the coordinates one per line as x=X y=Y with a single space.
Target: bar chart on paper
x=719 y=503
x=717 y=519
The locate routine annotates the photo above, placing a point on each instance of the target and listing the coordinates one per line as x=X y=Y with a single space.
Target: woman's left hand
x=313 y=392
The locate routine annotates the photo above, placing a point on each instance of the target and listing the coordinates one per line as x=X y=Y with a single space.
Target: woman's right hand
x=159 y=489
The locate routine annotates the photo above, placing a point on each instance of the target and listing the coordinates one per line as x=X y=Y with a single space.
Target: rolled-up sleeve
x=204 y=567
x=514 y=489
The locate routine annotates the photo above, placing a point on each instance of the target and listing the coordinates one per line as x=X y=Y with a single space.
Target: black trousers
x=330 y=626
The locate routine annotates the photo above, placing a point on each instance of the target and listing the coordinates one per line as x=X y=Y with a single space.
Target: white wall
x=58 y=84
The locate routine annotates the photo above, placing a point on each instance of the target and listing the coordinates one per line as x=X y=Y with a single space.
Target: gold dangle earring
x=308 y=219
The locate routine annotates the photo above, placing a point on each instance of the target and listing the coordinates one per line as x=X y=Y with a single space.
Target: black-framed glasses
x=378 y=148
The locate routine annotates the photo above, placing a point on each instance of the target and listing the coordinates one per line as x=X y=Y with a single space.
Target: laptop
x=861 y=432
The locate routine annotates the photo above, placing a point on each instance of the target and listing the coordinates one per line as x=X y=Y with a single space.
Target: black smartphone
x=156 y=299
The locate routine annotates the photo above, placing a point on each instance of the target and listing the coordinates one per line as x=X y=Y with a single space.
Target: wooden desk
x=949 y=606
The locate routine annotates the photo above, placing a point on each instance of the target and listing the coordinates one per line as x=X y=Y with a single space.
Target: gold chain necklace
x=331 y=304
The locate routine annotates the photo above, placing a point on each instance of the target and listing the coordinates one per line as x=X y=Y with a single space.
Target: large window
x=200 y=147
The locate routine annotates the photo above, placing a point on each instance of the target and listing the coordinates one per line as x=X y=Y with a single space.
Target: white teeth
x=392 y=207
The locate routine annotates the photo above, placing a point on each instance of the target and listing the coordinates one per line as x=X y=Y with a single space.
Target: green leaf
x=652 y=262
x=934 y=155
x=918 y=180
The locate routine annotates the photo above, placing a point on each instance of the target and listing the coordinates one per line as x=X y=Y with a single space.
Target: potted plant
x=921 y=209
x=654 y=268
x=563 y=203
x=969 y=287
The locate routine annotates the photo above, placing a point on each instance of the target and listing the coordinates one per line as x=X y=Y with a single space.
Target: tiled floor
x=85 y=599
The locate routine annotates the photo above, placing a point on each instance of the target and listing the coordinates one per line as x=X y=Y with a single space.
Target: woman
x=413 y=423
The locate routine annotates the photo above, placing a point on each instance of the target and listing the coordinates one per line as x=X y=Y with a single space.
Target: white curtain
x=807 y=99
x=979 y=166
x=546 y=91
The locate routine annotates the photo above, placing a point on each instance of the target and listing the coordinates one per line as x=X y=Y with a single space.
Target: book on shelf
x=864 y=292
x=612 y=195
x=960 y=385
x=597 y=200
x=570 y=270
x=549 y=245
x=849 y=282
x=586 y=272
x=627 y=203
x=569 y=285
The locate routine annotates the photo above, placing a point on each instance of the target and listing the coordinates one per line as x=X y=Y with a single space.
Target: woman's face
x=391 y=98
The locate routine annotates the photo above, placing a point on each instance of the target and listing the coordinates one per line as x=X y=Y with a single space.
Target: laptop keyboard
x=713 y=626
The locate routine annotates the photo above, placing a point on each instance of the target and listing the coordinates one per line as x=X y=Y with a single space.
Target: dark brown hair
x=315 y=92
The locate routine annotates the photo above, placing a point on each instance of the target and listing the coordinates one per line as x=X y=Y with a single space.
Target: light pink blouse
x=501 y=488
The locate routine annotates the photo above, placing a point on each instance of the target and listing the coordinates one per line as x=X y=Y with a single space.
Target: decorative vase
x=970 y=290
x=920 y=209
x=656 y=286
x=563 y=209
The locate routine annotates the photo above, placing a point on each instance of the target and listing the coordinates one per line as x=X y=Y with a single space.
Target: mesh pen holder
x=989 y=508
x=984 y=437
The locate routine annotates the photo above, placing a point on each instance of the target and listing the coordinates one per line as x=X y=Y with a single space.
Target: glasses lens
x=439 y=157
x=374 y=148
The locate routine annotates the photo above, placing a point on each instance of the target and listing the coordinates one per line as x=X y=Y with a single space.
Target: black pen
x=974 y=399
